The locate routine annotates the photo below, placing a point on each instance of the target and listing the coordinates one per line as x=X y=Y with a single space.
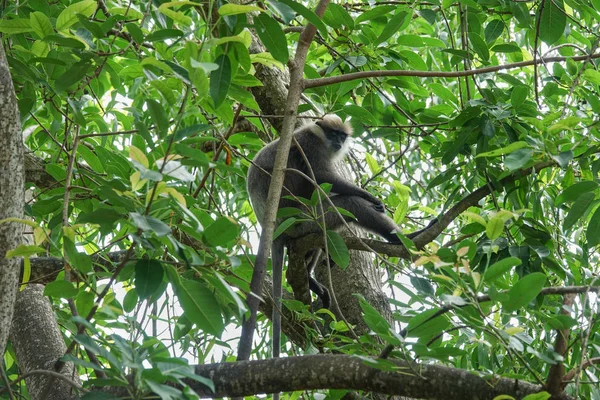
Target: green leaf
x=573 y=192
x=424 y=325
x=147 y=223
x=24 y=251
x=479 y=46
x=578 y=209
x=163 y=34
x=272 y=36
x=68 y=16
x=493 y=30
x=16 y=25
x=149 y=275
x=200 y=306
x=129 y=301
x=517 y=159
x=592 y=76
x=159 y=117
x=61 y=289
x=41 y=24
x=519 y=95
x=500 y=268
x=71 y=76
x=79 y=261
x=494 y=227
x=221 y=232
x=284 y=226
x=308 y=14
x=506 y=48
x=504 y=150
x=337 y=249
x=374 y=319
x=524 y=291
x=234 y=9
x=394 y=25
x=593 y=230
x=552 y=21
x=374 y=13
x=220 y=80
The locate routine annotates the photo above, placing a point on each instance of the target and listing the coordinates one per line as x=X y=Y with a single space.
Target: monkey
x=323 y=143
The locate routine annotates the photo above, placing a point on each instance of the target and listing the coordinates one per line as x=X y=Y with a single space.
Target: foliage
x=132 y=106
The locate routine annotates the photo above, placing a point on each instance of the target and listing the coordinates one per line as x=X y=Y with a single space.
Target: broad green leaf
x=220 y=80
x=424 y=325
x=337 y=249
x=270 y=33
x=593 y=230
x=79 y=261
x=493 y=30
x=374 y=319
x=308 y=14
x=494 y=227
x=394 y=25
x=337 y=17
x=410 y=41
x=177 y=16
x=578 y=209
x=284 y=226
x=372 y=163
x=23 y=250
x=41 y=24
x=553 y=21
x=517 y=159
x=130 y=301
x=164 y=34
x=68 y=16
x=14 y=26
x=234 y=9
x=503 y=150
x=149 y=275
x=221 y=232
x=159 y=117
x=61 y=289
x=200 y=306
x=147 y=223
x=592 y=76
x=500 y=268
x=573 y=192
x=524 y=291
x=506 y=48
x=374 y=13
x=71 y=76
x=538 y=396
x=479 y=46
x=519 y=95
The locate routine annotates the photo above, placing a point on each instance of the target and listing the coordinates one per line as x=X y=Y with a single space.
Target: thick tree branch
x=312 y=83
x=561 y=344
x=316 y=372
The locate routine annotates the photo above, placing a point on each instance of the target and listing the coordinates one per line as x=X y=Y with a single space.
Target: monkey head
x=335 y=134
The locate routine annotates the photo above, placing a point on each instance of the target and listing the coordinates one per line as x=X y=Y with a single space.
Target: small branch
x=557 y=371
x=312 y=83
x=571 y=374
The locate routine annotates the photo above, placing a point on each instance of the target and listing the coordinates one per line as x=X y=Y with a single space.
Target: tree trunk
x=38 y=344
x=11 y=196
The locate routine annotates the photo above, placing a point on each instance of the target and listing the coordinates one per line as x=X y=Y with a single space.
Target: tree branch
x=318 y=82
x=317 y=372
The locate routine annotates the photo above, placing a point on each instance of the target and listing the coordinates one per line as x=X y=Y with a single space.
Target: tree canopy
x=474 y=120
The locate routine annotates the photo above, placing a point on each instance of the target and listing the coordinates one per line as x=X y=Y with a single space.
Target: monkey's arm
x=343 y=187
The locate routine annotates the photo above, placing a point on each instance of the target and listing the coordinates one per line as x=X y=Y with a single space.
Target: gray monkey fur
x=323 y=143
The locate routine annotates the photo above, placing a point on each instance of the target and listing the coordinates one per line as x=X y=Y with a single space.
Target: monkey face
x=335 y=139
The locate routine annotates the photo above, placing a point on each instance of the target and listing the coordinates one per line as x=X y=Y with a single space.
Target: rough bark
x=353 y=373
x=12 y=196
x=34 y=315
